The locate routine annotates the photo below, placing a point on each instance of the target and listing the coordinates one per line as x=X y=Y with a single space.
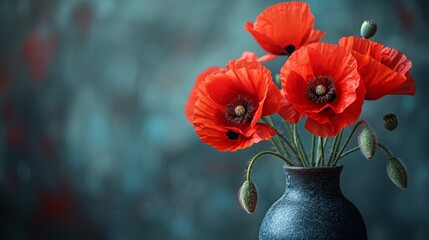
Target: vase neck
x=313 y=180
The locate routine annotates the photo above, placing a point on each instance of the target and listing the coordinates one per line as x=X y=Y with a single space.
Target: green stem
x=313 y=145
x=301 y=146
x=335 y=146
x=386 y=151
x=334 y=143
x=274 y=143
x=288 y=144
x=321 y=157
x=325 y=141
x=283 y=139
x=298 y=144
x=281 y=147
x=252 y=161
x=288 y=127
x=348 y=140
x=268 y=120
x=350 y=151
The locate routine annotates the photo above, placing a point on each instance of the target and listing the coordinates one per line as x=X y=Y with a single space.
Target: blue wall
x=93 y=139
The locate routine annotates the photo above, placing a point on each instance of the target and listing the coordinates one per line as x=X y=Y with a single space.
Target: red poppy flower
x=230 y=103
x=321 y=81
x=384 y=70
x=190 y=104
x=284 y=27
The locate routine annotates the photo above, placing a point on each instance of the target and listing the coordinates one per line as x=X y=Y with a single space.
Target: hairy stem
x=385 y=150
x=280 y=147
x=300 y=148
x=320 y=158
x=313 y=146
x=348 y=140
x=252 y=161
x=283 y=138
x=335 y=146
x=350 y=151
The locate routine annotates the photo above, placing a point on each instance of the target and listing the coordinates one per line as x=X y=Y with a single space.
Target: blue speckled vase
x=313 y=207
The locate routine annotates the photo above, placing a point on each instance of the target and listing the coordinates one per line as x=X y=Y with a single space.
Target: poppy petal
x=272 y=99
x=337 y=121
x=249 y=56
x=217 y=138
x=407 y=88
x=319 y=129
x=395 y=60
x=284 y=25
x=337 y=66
x=288 y=112
x=327 y=59
x=384 y=70
x=315 y=36
x=362 y=46
x=293 y=16
x=244 y=83
x=379 y=79
x=190 y=103
x=267 y=57
x=264 y=41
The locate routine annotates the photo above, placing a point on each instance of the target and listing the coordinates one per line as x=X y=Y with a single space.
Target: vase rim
x=313 y=169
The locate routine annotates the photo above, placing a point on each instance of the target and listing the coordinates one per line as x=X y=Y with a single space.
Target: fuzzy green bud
x=390 y=121
x=368 y=28
x=367 y=142
x=397 y=173
x=248 y=196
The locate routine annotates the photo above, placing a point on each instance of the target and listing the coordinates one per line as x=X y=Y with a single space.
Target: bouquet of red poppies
x=326 y=84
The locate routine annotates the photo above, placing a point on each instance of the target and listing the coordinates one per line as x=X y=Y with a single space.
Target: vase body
x=313 y=207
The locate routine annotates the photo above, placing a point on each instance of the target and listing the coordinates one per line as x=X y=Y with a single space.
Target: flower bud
x=367 y=142
x=390 y=121
x=397 y=173
x=248 y=196
x=368 y=28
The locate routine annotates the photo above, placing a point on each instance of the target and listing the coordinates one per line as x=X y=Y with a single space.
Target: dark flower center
x=289 y=49
x=232 y=135
x=321 y=90
x=240 y=110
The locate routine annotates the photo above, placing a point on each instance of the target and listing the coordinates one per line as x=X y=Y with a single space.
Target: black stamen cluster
x=328 y=96
x=231 y=115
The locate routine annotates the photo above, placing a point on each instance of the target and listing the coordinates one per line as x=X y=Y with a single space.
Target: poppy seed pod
x=368 y=28
x=248 y=196
x=397 y=173
x=390 y=121
x=367 y=142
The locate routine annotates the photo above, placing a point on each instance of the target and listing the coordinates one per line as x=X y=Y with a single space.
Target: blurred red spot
x=47 y=145
x=82 y=18
x=15 y=136
x=184 y=44
x=4 y=82
x=38 y=50
x=58 y=206
x=8 y=111
x=406 y=17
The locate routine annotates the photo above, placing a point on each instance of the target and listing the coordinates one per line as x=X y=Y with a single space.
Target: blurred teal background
x=93 y=139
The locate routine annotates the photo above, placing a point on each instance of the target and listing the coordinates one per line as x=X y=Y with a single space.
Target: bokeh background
x=94 y=143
